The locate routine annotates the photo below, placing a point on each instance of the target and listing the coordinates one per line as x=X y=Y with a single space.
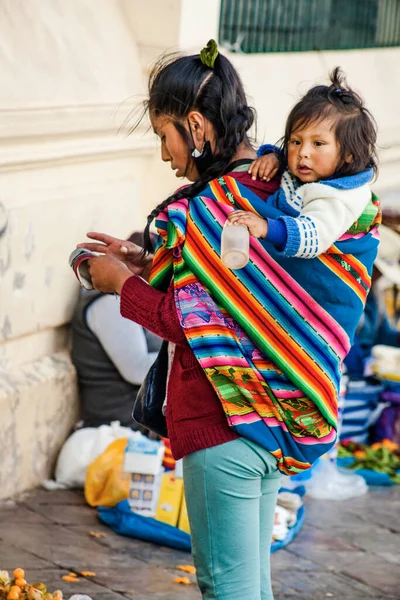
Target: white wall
x=70 y=76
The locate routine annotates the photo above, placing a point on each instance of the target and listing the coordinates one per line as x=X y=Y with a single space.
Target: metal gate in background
x=306 y=25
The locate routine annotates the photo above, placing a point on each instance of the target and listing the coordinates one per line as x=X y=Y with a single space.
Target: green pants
x=231 y=492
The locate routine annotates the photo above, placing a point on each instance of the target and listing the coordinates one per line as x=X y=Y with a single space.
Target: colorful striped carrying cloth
x=270 y=337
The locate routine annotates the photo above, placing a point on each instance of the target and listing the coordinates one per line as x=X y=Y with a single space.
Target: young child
x=329 y=157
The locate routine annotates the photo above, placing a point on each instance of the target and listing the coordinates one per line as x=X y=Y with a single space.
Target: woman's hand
x=257 y=226
x=127 y=252
x=108 y=274
x=264 y=167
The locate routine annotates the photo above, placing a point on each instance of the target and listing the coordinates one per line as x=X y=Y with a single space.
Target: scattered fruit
x=184 y=580
x=40 y=586
x=97 y=534
x=187 y=568
x=88 y=574
x=19 y=589
x=34 y=594
x=70 y=578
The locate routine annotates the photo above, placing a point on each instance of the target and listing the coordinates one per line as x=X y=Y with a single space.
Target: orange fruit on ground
x=184 y=580
x=12 y=596
x=15 y=588
x=20 y=581
x=187 y=568
x=19 y=573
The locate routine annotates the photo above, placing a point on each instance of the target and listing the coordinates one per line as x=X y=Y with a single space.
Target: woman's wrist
x=121 y=281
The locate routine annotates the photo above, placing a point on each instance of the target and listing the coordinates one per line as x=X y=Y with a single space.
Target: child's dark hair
x=180 y=84
x=355 y=127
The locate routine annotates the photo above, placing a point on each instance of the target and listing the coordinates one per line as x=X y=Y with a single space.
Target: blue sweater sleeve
x=267 y=149
x=277 y=233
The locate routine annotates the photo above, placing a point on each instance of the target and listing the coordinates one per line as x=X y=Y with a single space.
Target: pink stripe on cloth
x=220 y=361
x=288 y=287
x=286 y=394
x=304 y=304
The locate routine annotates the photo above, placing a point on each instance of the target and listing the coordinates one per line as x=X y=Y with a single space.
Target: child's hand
x=257 y=226
x=264 y=167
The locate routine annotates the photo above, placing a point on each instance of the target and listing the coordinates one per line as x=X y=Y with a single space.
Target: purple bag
x=388 y=424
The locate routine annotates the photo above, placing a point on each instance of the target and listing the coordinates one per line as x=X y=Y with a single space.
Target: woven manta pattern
x=270 y=337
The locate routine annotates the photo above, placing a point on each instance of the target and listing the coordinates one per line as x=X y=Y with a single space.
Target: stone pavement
x=346 y=550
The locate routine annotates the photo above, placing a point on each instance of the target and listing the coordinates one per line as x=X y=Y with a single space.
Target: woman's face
x=174 y=148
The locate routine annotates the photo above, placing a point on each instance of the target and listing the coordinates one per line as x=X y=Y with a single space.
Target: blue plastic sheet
x=126 y=522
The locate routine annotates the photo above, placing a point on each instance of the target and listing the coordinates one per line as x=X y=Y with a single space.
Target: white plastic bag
x=80 y=449
x=330 y=483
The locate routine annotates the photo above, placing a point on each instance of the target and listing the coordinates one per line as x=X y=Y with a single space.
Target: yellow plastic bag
x=106 y=483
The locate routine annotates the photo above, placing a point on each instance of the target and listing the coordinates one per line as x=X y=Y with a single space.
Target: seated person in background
x=112 y=356
x=361 y=407
x=375 y=327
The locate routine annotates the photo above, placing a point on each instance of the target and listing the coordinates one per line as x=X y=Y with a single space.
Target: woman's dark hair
x=355 y=127
x=137 y=237
x=180 y=84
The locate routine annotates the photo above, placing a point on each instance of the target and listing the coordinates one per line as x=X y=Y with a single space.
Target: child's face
x=173 y=148
x=313 y=152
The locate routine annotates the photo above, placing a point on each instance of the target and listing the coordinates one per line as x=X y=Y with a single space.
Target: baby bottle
x=235 y=242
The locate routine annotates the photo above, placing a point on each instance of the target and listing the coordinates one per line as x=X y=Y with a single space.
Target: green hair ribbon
x=209 y=54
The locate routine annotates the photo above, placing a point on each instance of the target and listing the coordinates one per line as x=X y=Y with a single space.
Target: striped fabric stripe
x=270 y=350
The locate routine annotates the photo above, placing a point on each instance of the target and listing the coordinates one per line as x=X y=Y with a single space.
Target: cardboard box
x=183 y=522
x=143 y=456
x=144 y=491
x=170 y=499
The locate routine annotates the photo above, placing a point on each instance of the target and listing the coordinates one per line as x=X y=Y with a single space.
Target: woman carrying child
x=257 y=352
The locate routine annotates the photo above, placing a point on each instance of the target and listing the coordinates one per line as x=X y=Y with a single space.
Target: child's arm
x=326 y=215
x=272 y=229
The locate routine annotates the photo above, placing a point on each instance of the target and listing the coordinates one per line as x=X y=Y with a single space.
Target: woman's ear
x=197 y=126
